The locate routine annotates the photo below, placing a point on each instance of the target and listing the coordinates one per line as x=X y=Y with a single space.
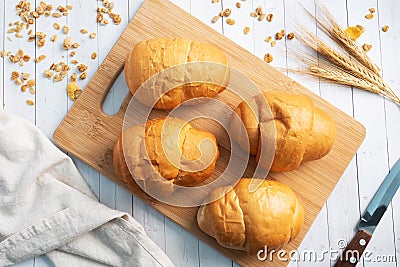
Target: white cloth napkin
x=47 y=208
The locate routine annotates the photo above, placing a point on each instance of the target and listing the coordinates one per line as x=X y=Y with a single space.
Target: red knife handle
x=352 y=254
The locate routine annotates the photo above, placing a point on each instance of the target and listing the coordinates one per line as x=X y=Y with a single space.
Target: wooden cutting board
x=89 y=134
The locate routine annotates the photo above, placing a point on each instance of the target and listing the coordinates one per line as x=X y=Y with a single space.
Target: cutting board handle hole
x=115 y=96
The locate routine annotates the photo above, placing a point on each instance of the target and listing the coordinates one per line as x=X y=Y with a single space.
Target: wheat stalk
x=323 y=69
x=343 y=77
x=329 y=25
x=343 y=61
x=344 y=64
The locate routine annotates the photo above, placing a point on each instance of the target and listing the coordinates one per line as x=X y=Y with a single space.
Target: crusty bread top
x=271 y=216
x=303 y=132
x=152 y=56
x=168 y=149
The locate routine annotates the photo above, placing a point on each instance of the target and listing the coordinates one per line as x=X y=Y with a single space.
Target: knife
x=372 y=215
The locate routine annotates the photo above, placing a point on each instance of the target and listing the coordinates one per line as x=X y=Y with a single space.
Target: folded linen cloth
x=46 y=207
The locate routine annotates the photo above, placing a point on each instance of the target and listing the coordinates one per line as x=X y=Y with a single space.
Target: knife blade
x=370 y=219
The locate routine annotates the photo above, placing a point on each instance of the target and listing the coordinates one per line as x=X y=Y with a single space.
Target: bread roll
x=271 y=216
x=303 y=132
x=177 y=153
x=152 y=56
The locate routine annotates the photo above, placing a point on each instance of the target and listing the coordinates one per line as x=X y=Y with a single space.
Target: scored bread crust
x=303 y=132
x=190 y=159
x=152 y=56
x=271 y=216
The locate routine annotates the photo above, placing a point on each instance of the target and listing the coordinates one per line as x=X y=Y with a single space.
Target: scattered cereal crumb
x=238 y=5
x=215 y=19
x=268 y=39
x=94 y=55
x=369 y=16
x=290 y=36
x=67 y=43
x=66 y=29
x=84 y=31
x=31 y=83
x=53 y=38
x=279 y=35
x=226 y=13
x=83 y=76
x=367 y=47
x=385 y=28
x=270 y=17
x=362 y=28
x=18 y=81
x=353 y=32
x=371 y=10
x=82 y=67
x=48 y=74
x=14 y=75
x=30 y=102
x=56 y=26
x=25 y=76
x=73 y=77
x=230 y=21
x=72 y=89
x=57 y=15
x=259 y=10
x=268 y=58
x=246 y=30
x=273 y=43
x=92 y=35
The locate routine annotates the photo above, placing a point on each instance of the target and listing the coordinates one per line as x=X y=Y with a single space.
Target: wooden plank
x=103 y=130
x=82 y=16
x=341 y=227
x=108 y=190
x=317 y=238
x=14 y=99
x=51 y=97
x=152 y=221
x=242 y=19
x=2 y=60
x=372 y=156
x=388 y=15
x=205 y=11
x=180 y=245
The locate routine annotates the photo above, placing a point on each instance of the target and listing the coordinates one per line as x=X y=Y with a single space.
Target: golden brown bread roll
x=270 y=216
x=303 y=132
x=186 y=156
x=152 y=56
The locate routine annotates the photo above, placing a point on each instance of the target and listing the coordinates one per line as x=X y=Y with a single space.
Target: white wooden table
x=381 y=117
